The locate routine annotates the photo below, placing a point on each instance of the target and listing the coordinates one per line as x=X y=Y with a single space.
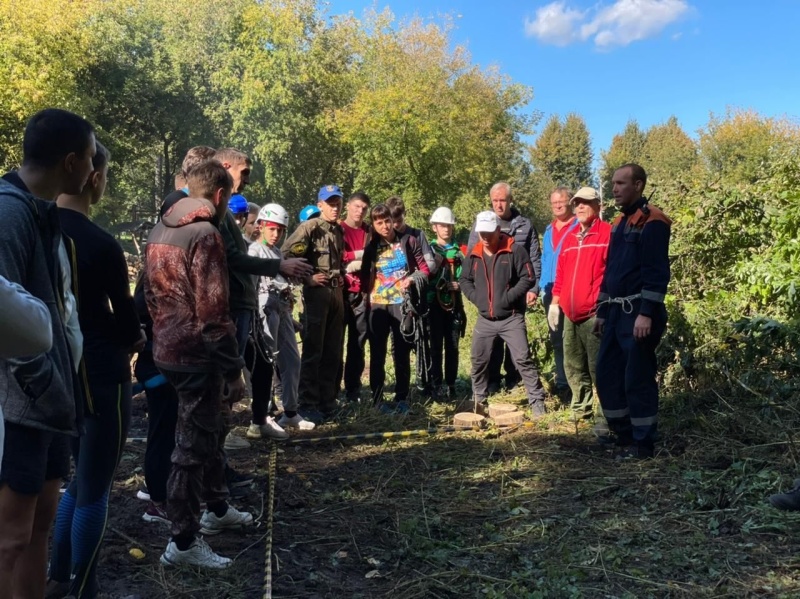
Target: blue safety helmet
x=309 y=211
x=237 y=204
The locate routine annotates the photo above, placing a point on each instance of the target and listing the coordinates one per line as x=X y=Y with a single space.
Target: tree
x=424 y=122
x=627 y=146
x=668 y=152
x=562 y=153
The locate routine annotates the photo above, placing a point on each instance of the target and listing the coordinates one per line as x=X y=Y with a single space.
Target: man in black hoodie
x=496 y=277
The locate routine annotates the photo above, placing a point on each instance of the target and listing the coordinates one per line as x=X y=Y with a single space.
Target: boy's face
x=250 y=227
x=270 y=232
x=383 y=227
x=443 y=232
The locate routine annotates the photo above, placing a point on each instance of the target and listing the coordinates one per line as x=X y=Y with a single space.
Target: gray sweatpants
x=512 y=331
x=279 y=317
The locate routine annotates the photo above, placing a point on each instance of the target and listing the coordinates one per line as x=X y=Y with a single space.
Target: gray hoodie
x=38 y=391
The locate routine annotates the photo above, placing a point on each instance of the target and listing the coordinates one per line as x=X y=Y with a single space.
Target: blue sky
x=612 y=60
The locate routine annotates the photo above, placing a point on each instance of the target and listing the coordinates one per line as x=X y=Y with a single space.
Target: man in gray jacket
x=39 y=392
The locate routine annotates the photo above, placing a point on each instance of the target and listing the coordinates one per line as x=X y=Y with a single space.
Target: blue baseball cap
x=307 y=212
x=326 y=192
x=237 y=204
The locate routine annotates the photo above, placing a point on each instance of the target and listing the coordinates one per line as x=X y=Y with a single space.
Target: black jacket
x=497 y=285
x=524 y=234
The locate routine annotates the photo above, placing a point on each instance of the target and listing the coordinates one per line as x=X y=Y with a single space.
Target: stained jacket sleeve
x=238 y=258
x=524 y=271
x=209 y=281
x=25 y=325
x=654 y=266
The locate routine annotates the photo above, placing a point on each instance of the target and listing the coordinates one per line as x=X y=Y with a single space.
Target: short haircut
x=396 y=206
x=637 y=172
x=563 y=191
x=505 y=187
x=380 y=212
x=360 y=195
x=102 y=157
x=253 y=208
x=52 y=134
x=207 y=177
x=232 y=156
x=195 y=156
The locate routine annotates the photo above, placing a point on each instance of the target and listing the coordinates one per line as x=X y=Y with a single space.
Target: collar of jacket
x=504 y=247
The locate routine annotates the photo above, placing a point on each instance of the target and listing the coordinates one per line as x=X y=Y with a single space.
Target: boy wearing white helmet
x=447 y=317
x=274 y=299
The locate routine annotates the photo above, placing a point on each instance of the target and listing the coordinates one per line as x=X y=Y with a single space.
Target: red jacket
x=580 y=270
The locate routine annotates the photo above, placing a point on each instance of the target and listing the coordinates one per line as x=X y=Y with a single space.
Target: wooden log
x=468 y=420
x=497 y=409
x=469 y=406
x=509 y=418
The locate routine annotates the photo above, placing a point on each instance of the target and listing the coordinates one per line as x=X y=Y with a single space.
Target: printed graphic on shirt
x=390 y=268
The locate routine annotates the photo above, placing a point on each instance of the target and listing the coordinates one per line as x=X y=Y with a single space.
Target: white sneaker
x=198 y=554
x=235 y=442
x=211 y=524
x=296 y=421
x=270 y=430
x=143 y=494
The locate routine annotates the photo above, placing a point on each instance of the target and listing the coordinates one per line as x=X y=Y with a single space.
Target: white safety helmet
x=274 y=214
x=443 y=216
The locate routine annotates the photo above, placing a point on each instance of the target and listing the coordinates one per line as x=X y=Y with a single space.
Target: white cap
x=443 y=216
x=486 y=222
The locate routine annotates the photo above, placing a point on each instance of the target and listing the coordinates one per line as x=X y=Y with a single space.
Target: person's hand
x=319 y=279
x=599 y=325
x=553 y=316
x=530 y=298
x=453 y=286
x=295 y=268
x=140 y=342
x=235 y=391
x=403 y=283
x=642 y=327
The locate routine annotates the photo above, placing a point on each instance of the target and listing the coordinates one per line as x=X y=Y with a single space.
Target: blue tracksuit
x=637 y=269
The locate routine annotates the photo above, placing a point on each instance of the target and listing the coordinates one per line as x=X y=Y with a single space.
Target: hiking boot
x=635 y=452
x=564 y=396
x=537 y=409
x=56 y=589
x=296 y=421
x=269 y=430
x=155 y=513
x=790 y=500
x=211 y=524
x=198 y=554
x=493 y=388
x=451 y=392
x=233 y=442
x=237 y=479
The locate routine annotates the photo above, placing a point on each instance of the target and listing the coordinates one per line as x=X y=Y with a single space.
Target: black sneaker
x=237 y=479
x=537 y=409
x=790 y=500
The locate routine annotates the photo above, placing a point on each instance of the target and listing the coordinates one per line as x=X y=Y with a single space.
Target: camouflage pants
x=198 y=461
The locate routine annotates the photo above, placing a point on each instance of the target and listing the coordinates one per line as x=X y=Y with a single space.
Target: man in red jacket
x=496 y=277
x=579 y=272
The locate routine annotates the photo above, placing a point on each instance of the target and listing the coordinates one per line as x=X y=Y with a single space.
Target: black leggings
x=162 y=416
x=261 y=381
x=83 y=509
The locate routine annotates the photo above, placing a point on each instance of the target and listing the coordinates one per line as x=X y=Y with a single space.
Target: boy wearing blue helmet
x=308 y=212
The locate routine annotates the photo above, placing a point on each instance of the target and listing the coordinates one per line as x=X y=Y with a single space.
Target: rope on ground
x=424 y=432
x=273 y=459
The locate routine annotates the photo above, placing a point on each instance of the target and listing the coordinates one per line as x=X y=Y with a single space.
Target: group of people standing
x=214 y=304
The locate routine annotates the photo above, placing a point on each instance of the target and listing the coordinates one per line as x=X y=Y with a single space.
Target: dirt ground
x=537 y=512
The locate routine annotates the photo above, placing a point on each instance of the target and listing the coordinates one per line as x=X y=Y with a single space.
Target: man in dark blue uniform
x=631 y=316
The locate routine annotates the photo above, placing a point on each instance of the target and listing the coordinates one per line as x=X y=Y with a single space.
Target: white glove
x=353 y=266
x=359 y=254
x=553 y=315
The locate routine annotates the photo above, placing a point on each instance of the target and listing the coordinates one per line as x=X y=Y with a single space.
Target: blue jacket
x=550 y=257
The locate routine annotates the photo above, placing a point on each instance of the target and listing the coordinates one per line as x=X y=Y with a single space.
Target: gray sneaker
x=211 y=524
x=790 y=500
x=198 y=554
